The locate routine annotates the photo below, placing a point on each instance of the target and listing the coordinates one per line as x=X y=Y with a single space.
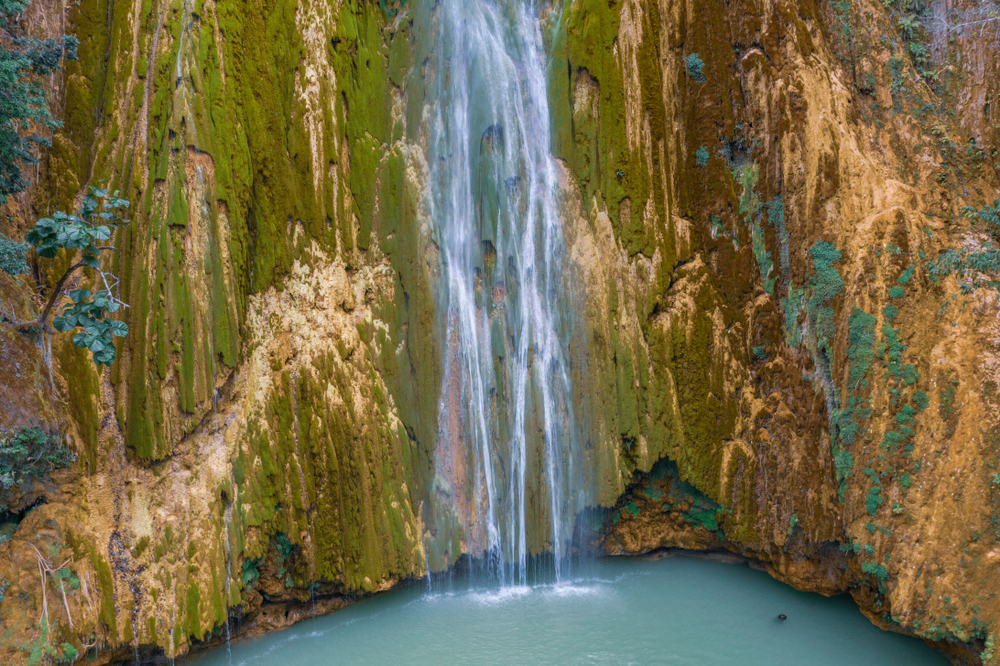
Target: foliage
x=860 y=354
x=250 y=572
x=877 y=570
x=25 y=62
x=776 y=218
x=89 y=310
x=391 y=7
x=792 y=523
x=989 y=648
x=695 y=68
x=874 y=500
x=30 y=453
x=751 y=209
x=974 y=268
x=13 y=256
x=285 y=546
x=701 y=156
x=824 y=286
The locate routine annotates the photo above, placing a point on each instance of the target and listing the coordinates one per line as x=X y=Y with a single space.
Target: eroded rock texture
x=770 y=357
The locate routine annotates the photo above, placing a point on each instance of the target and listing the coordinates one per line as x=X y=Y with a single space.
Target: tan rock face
x=754 y=196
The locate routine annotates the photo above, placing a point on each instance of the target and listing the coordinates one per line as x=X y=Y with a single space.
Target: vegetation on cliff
x=25 y=61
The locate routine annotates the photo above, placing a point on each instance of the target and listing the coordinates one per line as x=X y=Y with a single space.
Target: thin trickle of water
x=229 y=571
x=493 y=201
x=427 y=559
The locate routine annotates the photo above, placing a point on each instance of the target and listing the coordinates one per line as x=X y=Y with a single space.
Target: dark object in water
x=782 y=617
x=493 y=135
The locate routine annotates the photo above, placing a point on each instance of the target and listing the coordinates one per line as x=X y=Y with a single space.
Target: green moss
x=192 y=619
x=107 y=614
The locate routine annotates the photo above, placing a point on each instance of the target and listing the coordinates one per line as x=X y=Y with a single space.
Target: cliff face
x=770 y=356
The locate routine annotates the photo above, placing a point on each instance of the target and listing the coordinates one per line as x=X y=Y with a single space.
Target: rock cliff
x=777 y=216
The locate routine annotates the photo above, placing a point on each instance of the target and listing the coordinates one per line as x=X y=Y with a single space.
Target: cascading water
x=506 y=401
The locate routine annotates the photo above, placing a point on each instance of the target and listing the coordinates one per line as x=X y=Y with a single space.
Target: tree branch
x=42 y=320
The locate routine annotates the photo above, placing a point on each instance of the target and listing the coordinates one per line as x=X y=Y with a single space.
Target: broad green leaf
x=79 y=294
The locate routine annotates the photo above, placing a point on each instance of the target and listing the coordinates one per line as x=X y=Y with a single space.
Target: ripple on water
x=678 y=611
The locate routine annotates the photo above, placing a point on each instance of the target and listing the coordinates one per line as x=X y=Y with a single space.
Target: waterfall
x=505 y=411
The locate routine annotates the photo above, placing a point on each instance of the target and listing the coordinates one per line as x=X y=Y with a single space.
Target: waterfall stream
x=506 y=402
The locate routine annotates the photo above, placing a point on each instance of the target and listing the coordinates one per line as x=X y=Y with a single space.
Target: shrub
x=701 y=157
x=792 y=523
x=30 y=453
x=874 y=500
x=695 y=68
x=27 y=64
x=877 y=570
x=824 y=285
x=13 y=256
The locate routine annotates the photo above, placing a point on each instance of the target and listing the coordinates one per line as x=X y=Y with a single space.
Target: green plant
x=974 y=268
x=825 y=285
x=877 y=570
x=250 y=572
x=89 y=311
x=874 y=500
x=25 y=64
x=13 y=256
x=989 y=648
x=909 y=26
x=285 y=546
x=695 y=68
x=701 y=156
x=792 y=523
x=30 y=453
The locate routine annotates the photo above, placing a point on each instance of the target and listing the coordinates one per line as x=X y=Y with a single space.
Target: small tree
x=89 y=310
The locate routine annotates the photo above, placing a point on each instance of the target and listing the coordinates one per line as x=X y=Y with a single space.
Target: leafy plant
x=30 y=453
x=909 y=26
x=701 y=156
x=974 y=268
x=12 y=256
x=695 y=68
x=25 y=62
x=82 y=232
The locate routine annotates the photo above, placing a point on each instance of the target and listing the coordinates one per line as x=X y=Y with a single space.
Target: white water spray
x=494 y=204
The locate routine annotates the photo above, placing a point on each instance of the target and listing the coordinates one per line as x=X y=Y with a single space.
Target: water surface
x=678 y=611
